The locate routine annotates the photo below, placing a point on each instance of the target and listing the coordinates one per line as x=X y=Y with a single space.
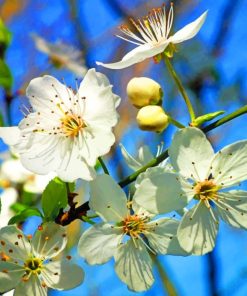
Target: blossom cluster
x=65 y=133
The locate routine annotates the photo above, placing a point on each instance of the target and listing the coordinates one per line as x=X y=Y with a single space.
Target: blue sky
x=51 y=19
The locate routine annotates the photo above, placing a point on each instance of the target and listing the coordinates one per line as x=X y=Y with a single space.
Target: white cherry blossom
x=62 y=55
x=129 y=232
x=65 y=132
x=12 y=174
x=206 y=177
x=28 y=264
x=7 y=198
x=153 y=36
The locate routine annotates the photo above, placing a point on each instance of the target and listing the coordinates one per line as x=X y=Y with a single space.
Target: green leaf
x=5 y=37
x=6 y=79
x=28 y=198
x=206 y=117
x=23 y=215
x=54 y=198
x=18 y=207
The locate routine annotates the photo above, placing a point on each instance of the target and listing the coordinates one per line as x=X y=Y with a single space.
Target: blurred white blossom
x=62 y=55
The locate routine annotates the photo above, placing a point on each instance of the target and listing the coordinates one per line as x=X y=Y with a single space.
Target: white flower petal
x=10 y=275
x=162 y=193
x=163 y=231
x=94 y=80
x=14 y=243
x=191 y=153
x=136 y=55
x=190 y=30
x=108 y=199
x=62 y=275
x=38 y=160
x=42 y=90
x=10 y=135
x=134 y=266
x=153 y=171
x=49 y=240
x=38 y=183
x=144 y=156
x=229 y=164
x=197 y=230
x=7 y=198
x=232 y=207
x=99 y=103
x=10 y=293
x=75 y=166
x=32 y=287
x=100 y=143
x=130 y=160
x=13 y=170
x=98 y=243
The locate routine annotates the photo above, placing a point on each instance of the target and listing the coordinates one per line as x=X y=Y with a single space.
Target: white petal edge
x=62 y=275
x=136 y=55
x=133 y=266
x=197 y=230
x=32 y=287
x=229 y=164
x=10 y=275
x=108 y=199
x=191 y=153
x=10 y=135
x=163 y=238
x=99 y=243
x=162 y=193
x=13 y=239
x=189 y=31
x=232 y=208
x=131 y=162
x=49 y=240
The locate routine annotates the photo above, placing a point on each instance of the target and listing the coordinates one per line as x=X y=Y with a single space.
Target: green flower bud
x=152 y=118
x=206 y=117
x=143 y=91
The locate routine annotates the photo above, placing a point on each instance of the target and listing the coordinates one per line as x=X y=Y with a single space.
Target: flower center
x=152 y=29
x=33 y=265
x=57 y=61
x=72 y=125
x=206 y=190
x=133 y=225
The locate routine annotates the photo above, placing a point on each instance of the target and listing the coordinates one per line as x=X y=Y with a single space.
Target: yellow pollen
x=33 y=265
x=72 y=125
x=5 y=183
x=206 y=190
x=133 y=225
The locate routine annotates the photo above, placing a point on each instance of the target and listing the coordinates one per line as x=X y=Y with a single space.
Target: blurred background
x=64 y=38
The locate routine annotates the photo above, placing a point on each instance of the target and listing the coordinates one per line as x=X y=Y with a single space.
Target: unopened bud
x=152 y=118
x=143 y=91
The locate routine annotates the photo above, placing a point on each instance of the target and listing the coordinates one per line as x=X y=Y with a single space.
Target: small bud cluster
x=146 y=95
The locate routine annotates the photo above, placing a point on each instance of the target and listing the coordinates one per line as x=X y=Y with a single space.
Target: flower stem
x=82 y=209
x=103 y=166
x=225 y=119
x=131 y=178
x=166 y=282
x=175 y=122
x=180 y=87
